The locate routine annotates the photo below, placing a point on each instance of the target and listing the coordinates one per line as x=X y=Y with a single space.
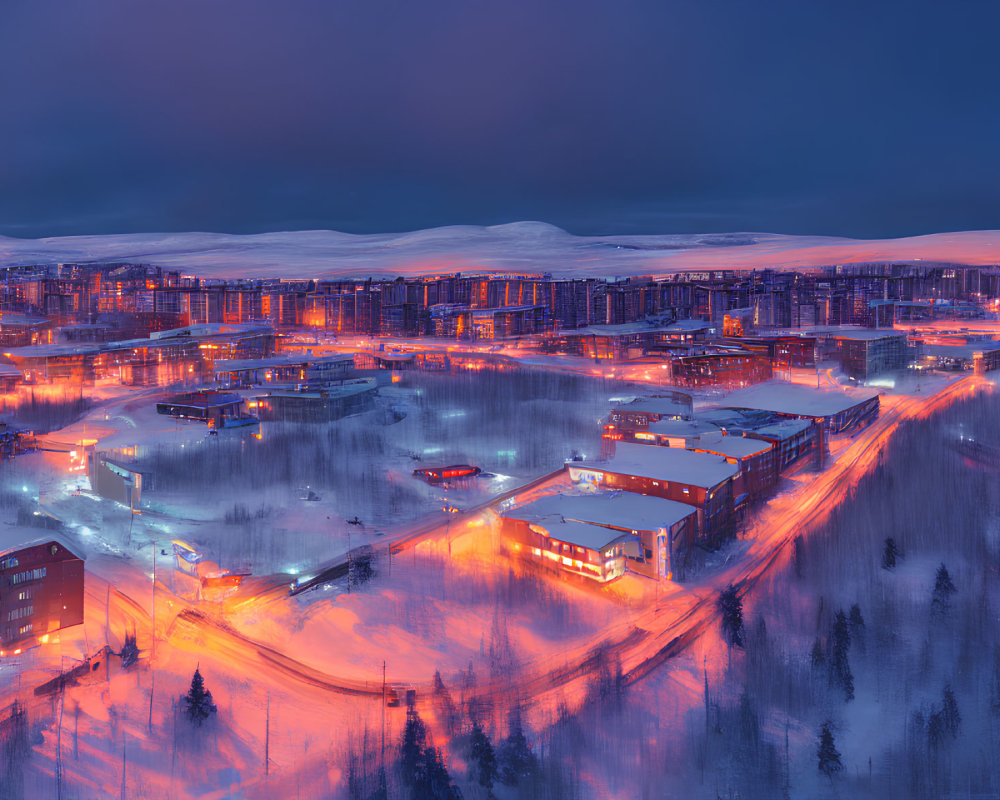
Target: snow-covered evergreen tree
x=732 y=616
x=827 y=754
x=198 y=703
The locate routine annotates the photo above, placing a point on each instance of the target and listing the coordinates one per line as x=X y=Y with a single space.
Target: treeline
x=870 y=667
x=43 y=413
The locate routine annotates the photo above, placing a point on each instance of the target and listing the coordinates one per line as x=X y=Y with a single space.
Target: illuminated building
x=867 y=354
x=41 y=590
x=836 y=411
x=629 y=421
x=217 y=409
x=702 y=480
x=730 y=369
x=660 y=532
x=324 y=405
x=292 y=370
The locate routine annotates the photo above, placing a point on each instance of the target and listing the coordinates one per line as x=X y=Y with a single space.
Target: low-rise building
x=726 y=368
x=835 y=410
x=322 y=405
x=756 y=458
x=866 y=354
x=306 y=371
x=792 y=439
x=702 y=480
x=660 y=532
x=629 y=421
x=217 y=409
x=592 y=551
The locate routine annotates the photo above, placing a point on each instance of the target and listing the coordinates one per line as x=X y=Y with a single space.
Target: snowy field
x=520 y=246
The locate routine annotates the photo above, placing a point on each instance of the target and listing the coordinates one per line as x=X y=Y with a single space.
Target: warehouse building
x=660 y=533
x=836 y=411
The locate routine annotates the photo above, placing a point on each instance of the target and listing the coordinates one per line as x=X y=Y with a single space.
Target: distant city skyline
x=689 y=117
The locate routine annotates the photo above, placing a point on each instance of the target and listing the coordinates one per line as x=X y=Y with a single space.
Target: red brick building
x=41 y=591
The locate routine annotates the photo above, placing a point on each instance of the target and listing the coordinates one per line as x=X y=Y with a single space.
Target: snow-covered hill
x=519 y=246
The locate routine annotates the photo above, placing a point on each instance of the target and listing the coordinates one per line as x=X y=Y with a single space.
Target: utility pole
x=152 y=650
x=123 y=765
x=59 y=768
x=382 y=751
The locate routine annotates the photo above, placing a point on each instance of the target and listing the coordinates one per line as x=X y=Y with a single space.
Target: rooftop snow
x=867 y=335
x=238 y=364
x=785 y=428
x=796 y=399
x=331 y=392
x=682 y=427
x=635 y=512
x=669 y=464
x=582 y=534
x=732 y=446
x=959 y=350
x=664 y=406
x=18 y=537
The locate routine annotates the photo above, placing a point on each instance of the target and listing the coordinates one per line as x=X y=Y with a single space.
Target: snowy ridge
x=518 y=246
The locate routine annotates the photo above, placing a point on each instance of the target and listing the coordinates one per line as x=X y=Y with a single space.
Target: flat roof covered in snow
x=240 y=364
x=784 y=428
x=867 y=335
x=682 y=427
x=733 y=446
x=634 y=512
x=582 y=534
x=796 y=399
x=669 y=464
x=664 y=406
x=202 y=400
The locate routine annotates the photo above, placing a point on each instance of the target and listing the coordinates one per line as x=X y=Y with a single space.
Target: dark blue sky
x=852 y=118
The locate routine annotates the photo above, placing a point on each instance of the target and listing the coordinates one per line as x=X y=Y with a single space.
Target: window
x=25 y=595
x=20 y=613
x=7 y=563
x=25 y=628
x=29 y=575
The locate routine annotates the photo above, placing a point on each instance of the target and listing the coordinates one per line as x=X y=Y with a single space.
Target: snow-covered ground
x=453 y=604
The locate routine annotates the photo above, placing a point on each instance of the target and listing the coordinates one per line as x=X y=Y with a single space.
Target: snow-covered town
x=221 y=538
x=499 y=401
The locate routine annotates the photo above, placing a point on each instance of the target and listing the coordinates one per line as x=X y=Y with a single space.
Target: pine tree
x=949 y=712
x=412 y=746
x=432 y=779
x=515 y=760
x=483 y=756
x=817 y=656
x=943 y=590
x=732 y=616
x=198 y=701
x=889 y=554
x=840 y=667
x=130 y=651
x=829 y=758
x=857 y=627
x=797 y=555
